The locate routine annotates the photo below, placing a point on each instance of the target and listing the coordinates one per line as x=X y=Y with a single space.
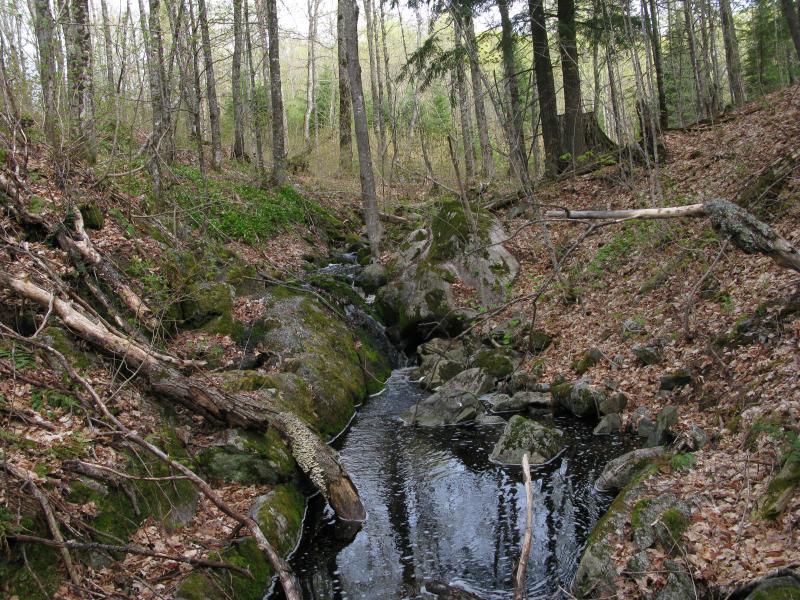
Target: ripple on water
x=438 y=509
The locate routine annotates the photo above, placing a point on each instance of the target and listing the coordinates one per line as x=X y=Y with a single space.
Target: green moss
x=636 y=512
x=256 y=458
x=452 y=231
x=116 y=517
x=280 y=518
x=778 y=592
x=43 y=569
x=495 y=363
x=676 y=522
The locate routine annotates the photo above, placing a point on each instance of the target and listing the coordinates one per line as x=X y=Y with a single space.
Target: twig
x=52 y=524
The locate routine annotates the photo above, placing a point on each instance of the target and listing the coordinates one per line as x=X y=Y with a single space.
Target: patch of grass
x=682 y=461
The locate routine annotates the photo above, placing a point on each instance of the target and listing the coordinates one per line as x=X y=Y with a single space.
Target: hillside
x=239 y=300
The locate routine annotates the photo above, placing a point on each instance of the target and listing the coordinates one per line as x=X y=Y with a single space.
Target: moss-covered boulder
x=247 y=457
x=498 y=362
x=458 y=245
x=620 y=471
x=336 y=366
x=92 y=214
x=209 y=305
x=279 y=513
x=588 y=359
x=523 y=435
x=578 y=397
x=661 y=521
x=780 y=489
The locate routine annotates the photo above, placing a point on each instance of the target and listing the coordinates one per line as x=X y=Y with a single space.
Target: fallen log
x=745 y=231
x=79 y=247
x=318 y=461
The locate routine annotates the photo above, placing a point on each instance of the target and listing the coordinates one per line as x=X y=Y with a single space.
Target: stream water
x=439 y=510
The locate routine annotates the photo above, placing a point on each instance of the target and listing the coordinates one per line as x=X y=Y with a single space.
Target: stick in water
x=519 y=588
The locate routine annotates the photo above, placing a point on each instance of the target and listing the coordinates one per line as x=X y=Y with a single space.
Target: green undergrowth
x=229 y=208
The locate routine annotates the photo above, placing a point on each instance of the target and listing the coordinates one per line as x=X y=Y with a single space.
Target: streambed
x=439 y=510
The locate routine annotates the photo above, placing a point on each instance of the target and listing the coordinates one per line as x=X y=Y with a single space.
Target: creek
x=439 y=510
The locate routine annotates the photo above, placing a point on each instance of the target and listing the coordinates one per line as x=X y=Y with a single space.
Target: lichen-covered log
x=318 y=461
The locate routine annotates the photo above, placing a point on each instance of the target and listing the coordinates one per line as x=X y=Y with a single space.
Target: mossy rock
x=780 y=490
x=244 y=279
x=539 y=340
x=785 y=587
x=279 y=514
x=248 y=457
x=578 y=397
x=590 y=358
x=661 y=520
x=523 y=435
x=498 y=363
x=93 y=217
x=597 y=572
x=116 y=518
x=69 y=347
x=319 y=348
x=208 y=302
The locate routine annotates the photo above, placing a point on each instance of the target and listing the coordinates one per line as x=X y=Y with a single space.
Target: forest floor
x=676 y=279
x=683 y=284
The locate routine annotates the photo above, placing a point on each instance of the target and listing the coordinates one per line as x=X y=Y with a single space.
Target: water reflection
x=439 y=510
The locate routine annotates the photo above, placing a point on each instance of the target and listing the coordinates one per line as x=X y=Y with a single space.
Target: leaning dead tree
x=745 y=231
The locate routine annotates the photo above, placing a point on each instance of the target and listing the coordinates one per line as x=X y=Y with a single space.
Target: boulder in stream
x=476 y=381
x=445 y=407
x=523 y=435
x=578 y=397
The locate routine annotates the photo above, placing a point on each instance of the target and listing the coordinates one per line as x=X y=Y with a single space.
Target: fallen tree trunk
x=81 y=250
x=318 y=461
x=745 y=231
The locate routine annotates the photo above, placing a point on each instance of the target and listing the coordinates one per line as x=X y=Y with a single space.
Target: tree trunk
x=790 y=13
x=487 y=155
x=700 y=95
x=108 y=47
x=463 y=106
x=311 y=72
x=79 y=53
x=211 y=87
x=551 y=132
x=573 y=112
x=255 y=109
x=316 y=459
x=373 y=74
x=345 y=99
x=518 y=158
x=276 y=96
x=44 y=27
x=746 y=232
x=349 y=9
x=655 y=36
x=731 y=53
x=238 y=151
x=197 y=110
